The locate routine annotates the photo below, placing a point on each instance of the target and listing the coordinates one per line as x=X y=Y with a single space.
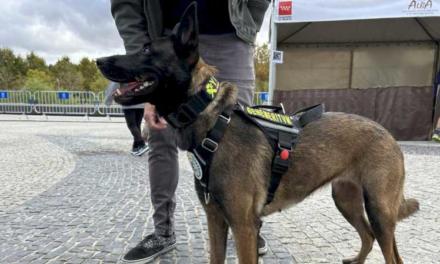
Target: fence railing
x=15 y=102
x=67 y=103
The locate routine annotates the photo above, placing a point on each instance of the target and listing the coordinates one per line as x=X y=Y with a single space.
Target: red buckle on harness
x=284 y=154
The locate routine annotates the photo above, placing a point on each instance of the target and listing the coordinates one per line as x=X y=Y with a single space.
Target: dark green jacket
x=138 y=21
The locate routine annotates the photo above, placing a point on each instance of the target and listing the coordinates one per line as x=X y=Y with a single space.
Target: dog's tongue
x=125 y=88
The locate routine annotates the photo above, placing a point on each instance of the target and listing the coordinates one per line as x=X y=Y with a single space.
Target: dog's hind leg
x=383 y=219
x=218 y=233
x=349 y=201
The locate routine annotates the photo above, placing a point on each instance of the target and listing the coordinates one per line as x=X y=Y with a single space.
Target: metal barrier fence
x=65 y=103
x=108 y=110
x=15 y=102
x=68 y=103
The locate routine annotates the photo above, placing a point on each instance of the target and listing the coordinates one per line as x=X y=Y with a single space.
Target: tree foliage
x=33 y=73
x=34 y=62
x=66 y=75
x=261 y=64
x=12 y=69
x=38 y=80
x=89 y=72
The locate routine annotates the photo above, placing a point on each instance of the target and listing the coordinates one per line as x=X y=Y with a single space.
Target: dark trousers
x=133 y=118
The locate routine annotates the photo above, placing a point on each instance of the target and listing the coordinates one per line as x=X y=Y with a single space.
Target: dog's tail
x=407 y=208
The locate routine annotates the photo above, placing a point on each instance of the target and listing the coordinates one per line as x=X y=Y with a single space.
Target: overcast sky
x=54 y=28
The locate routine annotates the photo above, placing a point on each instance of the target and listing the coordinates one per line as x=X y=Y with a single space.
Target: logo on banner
x=3 y=95
x=420 y=7
x=285 y=9
x=63 y=95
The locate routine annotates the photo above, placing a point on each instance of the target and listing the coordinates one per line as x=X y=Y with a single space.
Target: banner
x=291 y=11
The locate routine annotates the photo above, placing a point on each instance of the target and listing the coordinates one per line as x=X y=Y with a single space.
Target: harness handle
x=273 y=108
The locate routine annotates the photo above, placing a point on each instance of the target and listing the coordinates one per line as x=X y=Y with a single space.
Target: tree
x=38 y=80
x=89 y=71
x=99 y=84
x=66 y=75
x=12 y=70
x=34 y=62
x=261 y=63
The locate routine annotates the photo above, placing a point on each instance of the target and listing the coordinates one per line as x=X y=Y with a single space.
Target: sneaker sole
x=262 y=251
x=149 y=259
x=140 y=153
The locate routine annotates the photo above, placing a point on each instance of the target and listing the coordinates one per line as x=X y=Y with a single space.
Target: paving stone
x=71 y=193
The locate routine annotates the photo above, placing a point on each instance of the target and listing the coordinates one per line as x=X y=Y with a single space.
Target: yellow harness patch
x=212 y=86
x=276 y=118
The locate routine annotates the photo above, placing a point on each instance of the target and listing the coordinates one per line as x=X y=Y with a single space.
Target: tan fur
x=357 y=156
x=202 y=72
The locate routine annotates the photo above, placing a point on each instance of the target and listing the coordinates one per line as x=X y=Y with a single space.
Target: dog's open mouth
x=133 y=89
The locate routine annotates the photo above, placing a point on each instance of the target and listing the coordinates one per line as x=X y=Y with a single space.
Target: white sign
x=289 y=11
x=277 y=56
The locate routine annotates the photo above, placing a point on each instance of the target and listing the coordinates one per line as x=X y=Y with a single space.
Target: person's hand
x=152 y=119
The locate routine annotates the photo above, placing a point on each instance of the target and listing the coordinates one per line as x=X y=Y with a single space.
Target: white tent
x=359 y=49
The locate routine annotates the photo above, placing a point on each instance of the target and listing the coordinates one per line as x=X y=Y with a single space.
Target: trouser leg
x=164 y=174
x=132 y=123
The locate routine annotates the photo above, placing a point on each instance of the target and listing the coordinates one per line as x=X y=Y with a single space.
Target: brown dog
x=357 y=156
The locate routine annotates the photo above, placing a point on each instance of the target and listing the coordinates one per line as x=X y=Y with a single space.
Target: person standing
x=133 y=118
x=228 y=30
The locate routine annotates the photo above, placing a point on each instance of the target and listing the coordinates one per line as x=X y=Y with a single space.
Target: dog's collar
x=188 y=112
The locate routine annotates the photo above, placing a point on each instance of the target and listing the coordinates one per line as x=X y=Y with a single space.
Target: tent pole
x=436 y=108
x=273 y=46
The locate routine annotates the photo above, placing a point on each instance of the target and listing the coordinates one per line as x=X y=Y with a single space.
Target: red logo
x=285 y=8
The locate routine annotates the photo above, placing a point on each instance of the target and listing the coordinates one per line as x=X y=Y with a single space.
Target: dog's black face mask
x=163 y=68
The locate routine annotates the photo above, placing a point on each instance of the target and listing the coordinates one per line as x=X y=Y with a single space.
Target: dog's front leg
x=218 y=233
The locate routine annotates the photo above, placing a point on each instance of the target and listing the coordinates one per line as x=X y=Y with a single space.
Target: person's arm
x=131 y=23
x=258 y=9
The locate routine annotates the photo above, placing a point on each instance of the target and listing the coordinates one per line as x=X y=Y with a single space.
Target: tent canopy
x=361 y=31
x=339 y=21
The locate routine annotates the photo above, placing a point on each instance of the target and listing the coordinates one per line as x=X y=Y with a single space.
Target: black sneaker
x=262 y=245
x=149 y=248
x=139 y=150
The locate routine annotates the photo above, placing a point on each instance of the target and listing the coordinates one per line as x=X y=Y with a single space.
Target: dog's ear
x=186 y=35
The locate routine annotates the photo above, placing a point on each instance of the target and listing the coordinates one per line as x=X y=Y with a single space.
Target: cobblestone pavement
x=71 y=193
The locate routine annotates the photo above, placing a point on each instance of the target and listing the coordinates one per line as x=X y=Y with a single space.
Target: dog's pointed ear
x=186 y=35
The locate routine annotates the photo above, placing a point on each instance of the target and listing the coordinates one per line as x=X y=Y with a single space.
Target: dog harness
x=281 y=131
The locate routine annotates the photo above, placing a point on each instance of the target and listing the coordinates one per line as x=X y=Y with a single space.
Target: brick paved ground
x=70 y=193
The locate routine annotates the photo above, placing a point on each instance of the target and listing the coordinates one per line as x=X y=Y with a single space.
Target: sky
x=74 y=28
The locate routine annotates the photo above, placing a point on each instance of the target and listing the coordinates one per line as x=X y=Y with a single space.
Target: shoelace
x=150 y=241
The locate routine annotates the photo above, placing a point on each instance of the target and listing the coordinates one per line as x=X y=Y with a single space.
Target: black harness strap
x=310 y=114
x=189 y=111
x=281 y=161
x=204 y=153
